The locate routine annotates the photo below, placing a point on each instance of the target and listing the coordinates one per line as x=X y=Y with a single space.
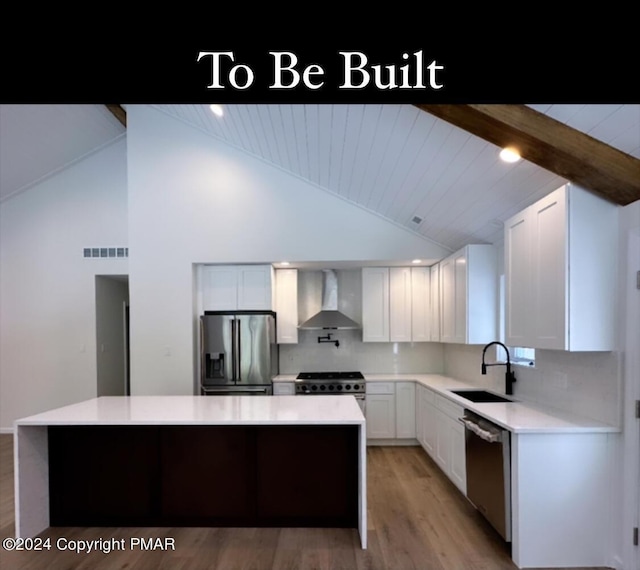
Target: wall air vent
x=106 y=252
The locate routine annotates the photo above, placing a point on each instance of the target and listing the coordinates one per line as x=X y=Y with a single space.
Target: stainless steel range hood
x=329 y=317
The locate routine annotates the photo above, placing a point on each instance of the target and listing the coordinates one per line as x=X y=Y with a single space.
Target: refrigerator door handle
x=238 y=350
x=233 y=349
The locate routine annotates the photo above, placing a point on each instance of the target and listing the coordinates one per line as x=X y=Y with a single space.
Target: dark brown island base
x=258 y=461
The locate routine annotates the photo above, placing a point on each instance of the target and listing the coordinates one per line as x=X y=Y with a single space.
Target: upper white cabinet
x=236 y=287
x=375 y=304
x=286 y=305
x=468 y=295
x=400 y=304
x=396 y=304
x=421 y=304
x=560 y=272
x=434 y=308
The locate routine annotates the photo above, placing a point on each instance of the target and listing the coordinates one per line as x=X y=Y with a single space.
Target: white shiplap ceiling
x=395 y=161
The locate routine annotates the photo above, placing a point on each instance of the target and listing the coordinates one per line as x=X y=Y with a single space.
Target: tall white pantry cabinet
x=560 y=272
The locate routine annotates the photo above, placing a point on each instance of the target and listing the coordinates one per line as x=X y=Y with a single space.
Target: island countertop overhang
x=203 y=410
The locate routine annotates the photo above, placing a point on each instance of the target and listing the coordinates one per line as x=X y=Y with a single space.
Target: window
x=524 y=356
x=518 y=354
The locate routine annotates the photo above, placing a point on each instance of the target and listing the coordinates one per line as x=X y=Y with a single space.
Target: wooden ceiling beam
x=550 y=144
x=119 y=113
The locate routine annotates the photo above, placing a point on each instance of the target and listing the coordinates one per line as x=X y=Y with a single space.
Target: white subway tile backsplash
x=353 y=354
x=584 y=383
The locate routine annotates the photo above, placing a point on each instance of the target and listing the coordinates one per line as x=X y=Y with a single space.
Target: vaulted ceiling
x=433 y=169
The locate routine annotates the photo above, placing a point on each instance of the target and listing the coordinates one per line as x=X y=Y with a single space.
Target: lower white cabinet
x=390 y=410
x=284 y=388
x=381 y=416
x=457 y=466
x=426 y=419
x=405 y=410
x=441 y=434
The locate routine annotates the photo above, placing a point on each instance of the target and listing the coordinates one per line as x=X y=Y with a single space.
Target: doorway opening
x=112 y=335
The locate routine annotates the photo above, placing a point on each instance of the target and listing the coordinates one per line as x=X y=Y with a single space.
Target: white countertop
x=515 y=416
x=203 y=410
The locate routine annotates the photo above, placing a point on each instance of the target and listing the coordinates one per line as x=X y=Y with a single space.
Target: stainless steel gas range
x=335 y=383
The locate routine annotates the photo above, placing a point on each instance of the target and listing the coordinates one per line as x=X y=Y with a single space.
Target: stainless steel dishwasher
x=488 y=459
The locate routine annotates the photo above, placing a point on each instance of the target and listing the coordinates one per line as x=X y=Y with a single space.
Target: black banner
x=205 y=71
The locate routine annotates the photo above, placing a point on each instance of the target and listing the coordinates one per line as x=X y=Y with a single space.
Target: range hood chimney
x=329 y=317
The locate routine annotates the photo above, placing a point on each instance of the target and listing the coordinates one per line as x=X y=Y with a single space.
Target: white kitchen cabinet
x=405 y=410
x=381 y=416
x=286 y=305
x=457 y=468
x=426 y=419
x=391 y=411
x=284 y=388
x=420 y=304
x=396 y=304
x=400 y=304
x=468 y=295
x=375 y=304
x=435 y=305
x=560 y=272
x=236 y=287
x=450 y=442
x=429 y=427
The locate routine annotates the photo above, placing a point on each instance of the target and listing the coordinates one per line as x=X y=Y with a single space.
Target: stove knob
x=356 y=387
x=348 y=387
x=331 y=387
x=323 y=388
x=339 y=387
x=314 y=387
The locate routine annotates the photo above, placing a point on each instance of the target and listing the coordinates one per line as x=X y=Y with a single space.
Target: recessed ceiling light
x=217 y=110
x=417 y=261
x=284 y=263
x=509 y=154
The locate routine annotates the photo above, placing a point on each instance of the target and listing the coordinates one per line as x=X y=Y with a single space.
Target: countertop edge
x=440 y=384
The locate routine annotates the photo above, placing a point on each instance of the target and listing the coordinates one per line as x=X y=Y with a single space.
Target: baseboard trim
x=372 y=442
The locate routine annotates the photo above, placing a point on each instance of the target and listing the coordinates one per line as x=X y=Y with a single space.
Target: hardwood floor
x=417 y=520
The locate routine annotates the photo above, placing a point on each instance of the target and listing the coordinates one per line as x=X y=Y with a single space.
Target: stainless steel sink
x=480 y=396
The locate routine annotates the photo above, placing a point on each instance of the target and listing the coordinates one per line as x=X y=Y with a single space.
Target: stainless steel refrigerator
x=238 y=352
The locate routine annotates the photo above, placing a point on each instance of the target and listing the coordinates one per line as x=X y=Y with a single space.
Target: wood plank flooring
x=417 y=519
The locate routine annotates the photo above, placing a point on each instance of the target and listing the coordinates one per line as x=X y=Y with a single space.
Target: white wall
x=47 y=291
x=193 y=199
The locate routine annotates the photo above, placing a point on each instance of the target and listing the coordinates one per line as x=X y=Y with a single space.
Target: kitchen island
x=192 y=461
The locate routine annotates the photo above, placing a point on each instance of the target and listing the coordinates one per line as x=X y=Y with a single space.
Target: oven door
x=362 y=402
